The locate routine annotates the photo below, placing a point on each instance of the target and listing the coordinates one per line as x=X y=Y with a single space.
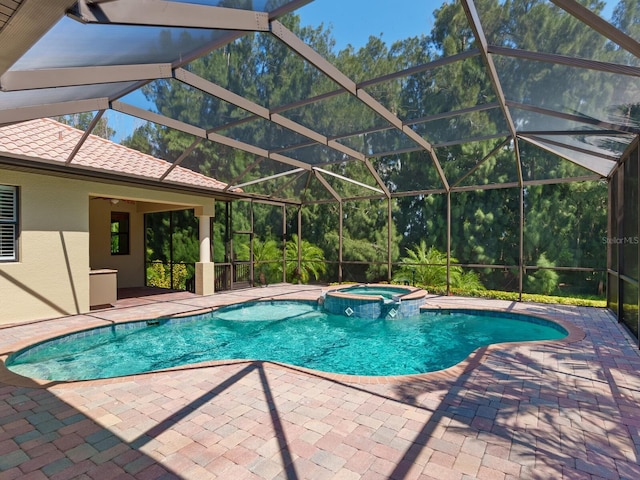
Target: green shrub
x=159 y=276
x=585 y=301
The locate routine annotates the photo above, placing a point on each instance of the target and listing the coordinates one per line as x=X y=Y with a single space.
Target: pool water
x=296 y=333
x=384 y=292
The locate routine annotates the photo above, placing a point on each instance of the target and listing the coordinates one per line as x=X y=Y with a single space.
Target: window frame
x=123 y=235
x=12 y=221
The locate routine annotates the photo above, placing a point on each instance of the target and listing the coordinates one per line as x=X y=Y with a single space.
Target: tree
x=81 y=121
x=312 y=264
x=141 y=139
x=267 y=258
x=542 y=281
x=428 y=267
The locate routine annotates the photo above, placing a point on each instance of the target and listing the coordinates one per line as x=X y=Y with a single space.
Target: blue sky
x=353 y=21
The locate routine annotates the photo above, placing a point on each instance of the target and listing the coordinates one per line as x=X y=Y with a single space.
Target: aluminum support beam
x=160 y=13
x=440 y=62
x=603 y=168
x=576 y=62
x=575 y=148
x=288 y=161
x=448 y=241
x=479 y=164
x=374 y=173
x=30 y=21
x=288 y=183
x=599 y=25
x=493 y=186
x=217 y=91
x=270 y=177
x=389 y=223
x=326 y=185
x=452 y=143
x=575 y=118
x=493 y=136
x=478 y=32
x=158 y=118
x=557 y=181
x=184 y=155
x=85 y=135
x=313 y=57
x=572 y=133
x=342 y=177
x=241 y=175
x=299 y=243
x=453 y=113
x=521 y=269
x=284 y=243
x=21 y=114
x=200 y=132
x=64 y=77
x=340 y=228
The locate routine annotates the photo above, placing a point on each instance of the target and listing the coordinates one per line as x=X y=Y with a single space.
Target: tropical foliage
x=267 y=258
x=312 y=263
x=428 y=267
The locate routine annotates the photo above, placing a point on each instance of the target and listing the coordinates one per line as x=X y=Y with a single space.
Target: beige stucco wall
x=64 y=233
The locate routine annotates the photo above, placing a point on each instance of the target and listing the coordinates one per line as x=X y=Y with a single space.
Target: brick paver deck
x=545 y=410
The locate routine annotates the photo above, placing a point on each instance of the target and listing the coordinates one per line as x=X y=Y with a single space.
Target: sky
x=353 y=21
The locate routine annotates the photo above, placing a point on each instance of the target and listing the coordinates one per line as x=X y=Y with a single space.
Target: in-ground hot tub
x=374 y=301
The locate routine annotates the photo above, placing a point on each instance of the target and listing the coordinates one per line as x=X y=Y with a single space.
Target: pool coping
x=473 y=360
x=415 y=292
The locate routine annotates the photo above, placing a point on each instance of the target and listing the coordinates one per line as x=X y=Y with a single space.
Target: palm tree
x=312 y=262
x=428 y=266
x=265 y=258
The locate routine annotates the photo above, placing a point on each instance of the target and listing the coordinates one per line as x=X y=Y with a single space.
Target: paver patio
x=545 y=410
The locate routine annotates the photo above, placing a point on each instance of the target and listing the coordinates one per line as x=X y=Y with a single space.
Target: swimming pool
x=297 y=333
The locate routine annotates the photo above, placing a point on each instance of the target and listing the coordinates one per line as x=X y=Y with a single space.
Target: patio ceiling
x=64 y=57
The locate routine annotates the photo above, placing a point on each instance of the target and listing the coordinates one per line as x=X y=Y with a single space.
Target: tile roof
x=48 y=140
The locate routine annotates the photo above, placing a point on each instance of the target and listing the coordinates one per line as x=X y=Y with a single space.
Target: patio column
x=205 y=268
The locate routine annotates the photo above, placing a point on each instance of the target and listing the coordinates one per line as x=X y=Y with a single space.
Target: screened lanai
x=504 y=135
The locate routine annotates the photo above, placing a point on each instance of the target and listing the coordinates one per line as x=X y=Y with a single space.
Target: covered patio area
x=531 y=410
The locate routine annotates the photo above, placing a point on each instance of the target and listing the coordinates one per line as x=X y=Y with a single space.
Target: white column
x=205 y=238
x=205 y=272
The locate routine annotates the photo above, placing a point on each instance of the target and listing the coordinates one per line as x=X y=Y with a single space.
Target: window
x=119 y=233
x=8 y=223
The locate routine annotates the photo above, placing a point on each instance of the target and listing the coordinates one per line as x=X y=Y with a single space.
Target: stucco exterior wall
x=53 y=249
x=65 y=232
